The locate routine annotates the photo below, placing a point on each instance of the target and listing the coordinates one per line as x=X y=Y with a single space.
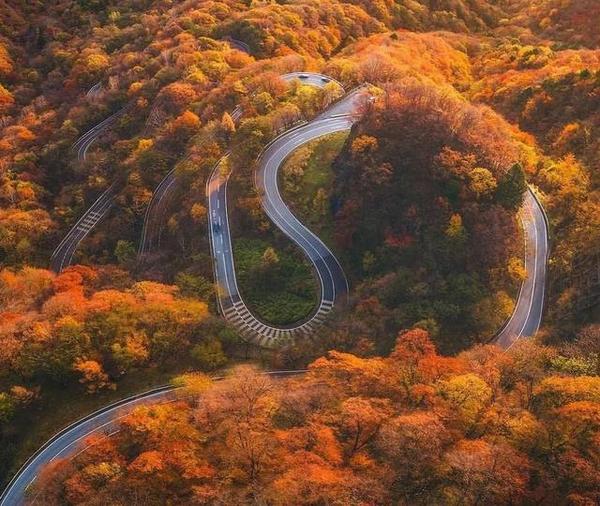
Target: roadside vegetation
x=277 y=284
x=412 y=428
x=81 y=335
x=553 y=95
x=306 y=183
x=31 y=428
x=474 y=98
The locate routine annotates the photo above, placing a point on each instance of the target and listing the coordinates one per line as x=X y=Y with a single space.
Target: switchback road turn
x=161 y=198
x=332 y=280
x=524 y=322
x=63 y=254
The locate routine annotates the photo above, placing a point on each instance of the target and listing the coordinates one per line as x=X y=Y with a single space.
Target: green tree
x=369 y=261
x=191 y=285
x=467 y=395
x=511 y=188
x=227 y=125
x=209 y=355
x=248 y=141
x=320 y=203
x=7 y=407
x=482 y=182
x=270 y=258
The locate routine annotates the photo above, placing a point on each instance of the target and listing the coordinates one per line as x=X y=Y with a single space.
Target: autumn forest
x=300 y=252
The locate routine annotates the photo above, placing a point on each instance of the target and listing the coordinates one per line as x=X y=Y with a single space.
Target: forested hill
x=467 y=103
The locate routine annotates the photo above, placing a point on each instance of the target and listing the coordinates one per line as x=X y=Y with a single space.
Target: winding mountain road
x=63 y=254
x=524 y=322
x=333 y=283
x=527 y=314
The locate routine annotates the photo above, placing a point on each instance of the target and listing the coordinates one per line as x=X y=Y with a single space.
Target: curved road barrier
x=94 y=91
x=237 y=44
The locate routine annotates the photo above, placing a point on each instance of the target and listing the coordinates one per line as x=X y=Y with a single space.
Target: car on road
x=303 y=76
x=325 y=79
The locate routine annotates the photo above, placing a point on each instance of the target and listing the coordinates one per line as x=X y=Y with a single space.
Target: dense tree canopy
x=93 y=327
x=423 y=205
x=426 y=192
x=414 y=428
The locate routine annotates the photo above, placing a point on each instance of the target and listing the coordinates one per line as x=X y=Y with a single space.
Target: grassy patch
x=277 y=286
x=306 y=182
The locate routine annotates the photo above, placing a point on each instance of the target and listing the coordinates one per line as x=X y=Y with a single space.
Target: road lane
x=332 y=280
x=527 y=314
x=64 y=252
x=524 y=322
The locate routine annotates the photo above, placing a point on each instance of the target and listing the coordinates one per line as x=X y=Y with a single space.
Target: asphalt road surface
x=238 y=44
x=527 y=315
x=161 y=198
x=63 y=254
x=524 y=322
x=230 y=302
